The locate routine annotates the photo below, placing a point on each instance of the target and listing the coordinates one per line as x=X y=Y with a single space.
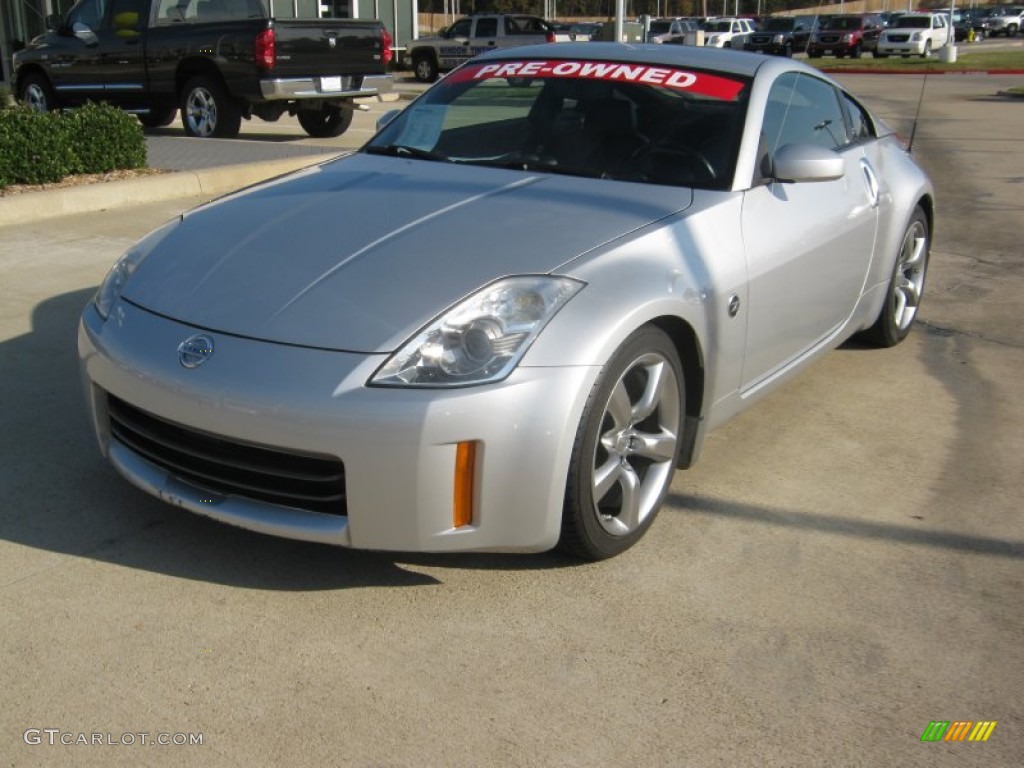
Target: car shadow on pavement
x=61 y=496
x=847 y=526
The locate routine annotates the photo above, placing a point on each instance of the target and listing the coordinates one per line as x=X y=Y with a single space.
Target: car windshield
x=779 y=25
x=718 y=26
x=844 y=22
x=660 y=27
x=630 y=122
x=913 y=22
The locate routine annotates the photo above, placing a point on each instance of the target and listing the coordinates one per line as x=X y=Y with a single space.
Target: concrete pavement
x=842 y=567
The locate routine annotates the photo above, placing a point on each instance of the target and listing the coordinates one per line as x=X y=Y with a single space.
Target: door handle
x=871 y=181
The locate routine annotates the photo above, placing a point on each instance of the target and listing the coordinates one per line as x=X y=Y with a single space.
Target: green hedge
x=37 y=148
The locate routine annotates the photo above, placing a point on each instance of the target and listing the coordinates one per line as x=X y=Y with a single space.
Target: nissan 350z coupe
x=507 y=320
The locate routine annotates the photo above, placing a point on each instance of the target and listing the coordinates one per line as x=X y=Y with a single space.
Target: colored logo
x=958 y=730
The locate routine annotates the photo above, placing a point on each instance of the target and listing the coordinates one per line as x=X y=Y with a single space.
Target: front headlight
x=916 y=37
x=847 y=38
x=113 y=284
x=778 y=39
x=482 y=338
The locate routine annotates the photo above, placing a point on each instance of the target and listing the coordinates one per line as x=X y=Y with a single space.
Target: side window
x=859 y=126
x=174 y=12
x=803 y=110
x=460 y=28
x=126 y=17
x=90 y=13
x=487 y=27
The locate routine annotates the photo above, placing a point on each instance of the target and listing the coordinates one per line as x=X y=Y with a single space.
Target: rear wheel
x=36 y=93
x=425 y=68
x=326 y=122
x=624 y=456
x=906 y=286
x=207 y=111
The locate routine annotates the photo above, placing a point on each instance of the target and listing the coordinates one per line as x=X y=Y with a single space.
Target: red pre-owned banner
x=714 y=86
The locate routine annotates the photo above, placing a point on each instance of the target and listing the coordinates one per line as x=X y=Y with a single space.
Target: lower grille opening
x=313 y=482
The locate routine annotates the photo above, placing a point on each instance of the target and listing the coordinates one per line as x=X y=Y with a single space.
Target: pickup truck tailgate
x=328 y=47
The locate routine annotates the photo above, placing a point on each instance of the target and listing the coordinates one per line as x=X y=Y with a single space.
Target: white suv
x=914 y=34
x=727 y=32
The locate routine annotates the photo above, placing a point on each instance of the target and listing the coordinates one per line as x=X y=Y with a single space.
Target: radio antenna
x=917 y=116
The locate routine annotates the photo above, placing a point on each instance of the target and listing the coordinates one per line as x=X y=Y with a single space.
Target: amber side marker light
x=465 y=470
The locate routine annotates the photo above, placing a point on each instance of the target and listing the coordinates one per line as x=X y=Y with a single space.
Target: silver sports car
x=507 y=320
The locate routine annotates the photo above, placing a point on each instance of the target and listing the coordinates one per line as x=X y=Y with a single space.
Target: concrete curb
x=35 y=206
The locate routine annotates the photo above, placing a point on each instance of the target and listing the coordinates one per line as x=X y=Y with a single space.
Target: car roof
x=732 y=62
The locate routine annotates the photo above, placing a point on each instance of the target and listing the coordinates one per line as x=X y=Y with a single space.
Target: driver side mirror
x=802 y=163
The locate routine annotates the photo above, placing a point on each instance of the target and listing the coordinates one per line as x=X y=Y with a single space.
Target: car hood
x=357 y=254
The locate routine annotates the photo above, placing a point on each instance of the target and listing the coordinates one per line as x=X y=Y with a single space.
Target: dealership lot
x=841 y=568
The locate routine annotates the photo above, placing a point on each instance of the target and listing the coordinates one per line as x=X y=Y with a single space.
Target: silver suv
x=1006 y=21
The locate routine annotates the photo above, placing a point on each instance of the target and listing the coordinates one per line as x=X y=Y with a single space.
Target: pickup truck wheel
x=207 y=111
x=855 y=52
x=158 y=117
x=788 y=51
x=425 y=68
x=36 y=94
x=325 y=123
x=927 y=49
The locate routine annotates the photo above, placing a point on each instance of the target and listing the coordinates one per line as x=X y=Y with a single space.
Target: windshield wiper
x=404 y=150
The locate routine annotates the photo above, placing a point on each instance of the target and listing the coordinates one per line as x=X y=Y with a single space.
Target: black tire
x=424 y=67
x=36 y=93
x=927 y=49
x=625 y=453
x=206 y=110
x=788 y=51
x=906 y=285
x=158 y=117
x=878 y=55
x=1011 y=31
x=855 y=52
x=325 y=123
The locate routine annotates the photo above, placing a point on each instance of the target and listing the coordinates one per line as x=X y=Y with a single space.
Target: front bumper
x=397 y=445
x=300 y=88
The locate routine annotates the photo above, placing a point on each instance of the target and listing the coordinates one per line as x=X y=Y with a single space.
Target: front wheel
x=36 y=94
x=325 y=123
x=855 y=52
x=1011 y=31
x=626 y=445
x=927 y=49
x=207 y=111
x=425 y=69
x=906 y=285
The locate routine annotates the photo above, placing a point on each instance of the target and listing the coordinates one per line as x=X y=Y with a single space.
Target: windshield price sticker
x=694 y=82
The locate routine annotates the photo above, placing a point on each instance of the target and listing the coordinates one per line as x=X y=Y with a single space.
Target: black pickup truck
x=216 y=60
